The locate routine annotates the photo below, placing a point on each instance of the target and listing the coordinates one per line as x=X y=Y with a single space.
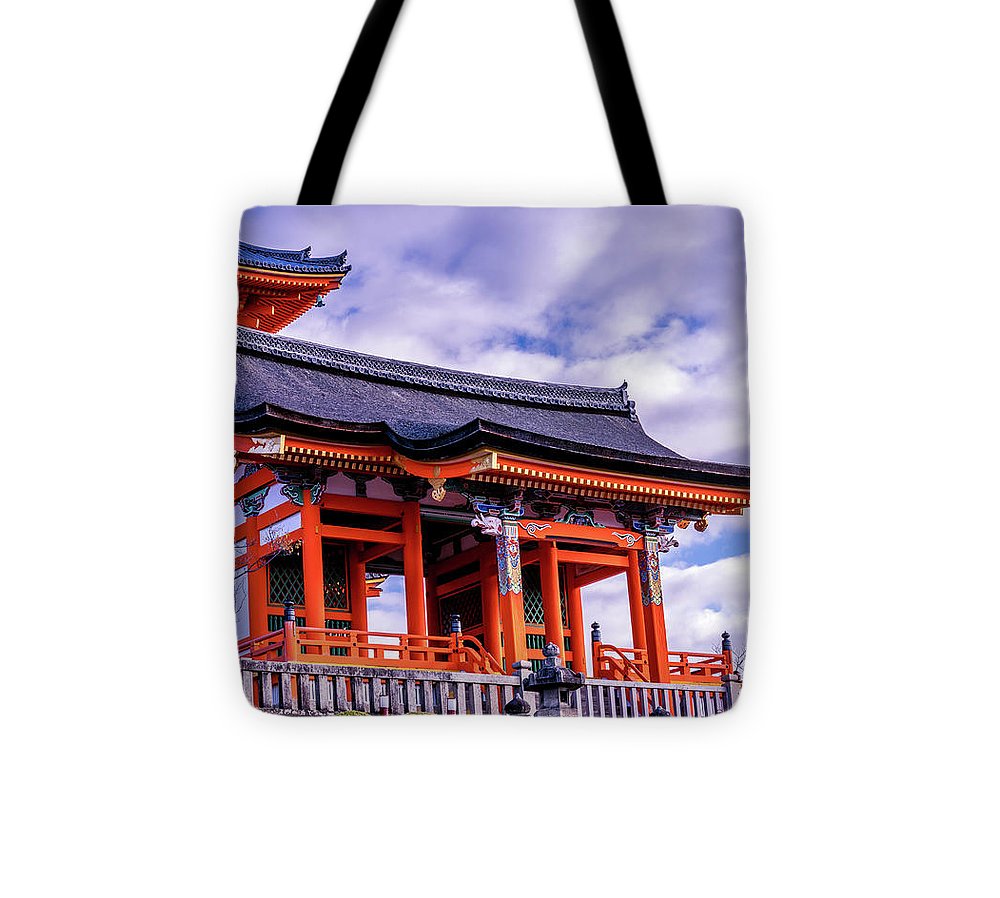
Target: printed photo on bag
x=491 y=461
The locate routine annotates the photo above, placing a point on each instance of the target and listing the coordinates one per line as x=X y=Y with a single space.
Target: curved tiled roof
x=429 y=413
x=294 y=261
x=598 y=399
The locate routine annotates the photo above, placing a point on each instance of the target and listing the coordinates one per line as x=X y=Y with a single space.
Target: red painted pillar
x=656 y=637
x=312 y=562
x=433 y=605
x=413 y=570
x=490 y=594
x=577 y=630
x=548 y=564
x=652 y=608
x=635 y=601
x=357 y=588
x=256 y=581
x=511 y=596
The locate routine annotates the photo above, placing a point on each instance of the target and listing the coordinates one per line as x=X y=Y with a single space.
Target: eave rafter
x=270 y=302
x=490 y=467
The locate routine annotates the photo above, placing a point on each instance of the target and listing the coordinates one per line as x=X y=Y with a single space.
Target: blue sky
x=652 y=295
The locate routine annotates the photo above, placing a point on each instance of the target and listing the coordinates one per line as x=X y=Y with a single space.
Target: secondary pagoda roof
x=276 y=286
x=294 y=261
x=430 y=414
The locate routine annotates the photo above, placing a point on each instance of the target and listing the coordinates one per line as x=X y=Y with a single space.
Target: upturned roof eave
x=480 y=434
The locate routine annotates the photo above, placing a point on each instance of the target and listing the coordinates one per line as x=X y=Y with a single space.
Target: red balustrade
x=369 y=648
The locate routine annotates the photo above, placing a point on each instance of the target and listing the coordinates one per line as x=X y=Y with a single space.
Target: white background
x=859 y=140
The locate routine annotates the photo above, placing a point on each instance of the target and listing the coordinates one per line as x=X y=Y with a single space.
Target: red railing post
x=731 y=680
x=291 y=637
x=455 y=631
x=595 y=648
x=727 y=653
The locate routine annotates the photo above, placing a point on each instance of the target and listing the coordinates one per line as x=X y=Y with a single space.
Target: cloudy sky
x=650 y=295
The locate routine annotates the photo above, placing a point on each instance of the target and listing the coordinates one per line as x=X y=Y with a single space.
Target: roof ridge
x=252 y=255
x=613 y=400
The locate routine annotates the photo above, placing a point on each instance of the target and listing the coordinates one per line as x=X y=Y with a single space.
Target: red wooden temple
x=497 y=500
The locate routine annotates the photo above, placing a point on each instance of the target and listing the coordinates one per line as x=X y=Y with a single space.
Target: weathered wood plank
x=460 y=695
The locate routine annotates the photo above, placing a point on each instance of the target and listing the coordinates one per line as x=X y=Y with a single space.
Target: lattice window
x=467 y=604
x=286 y=581
x=531 y=585
x=537 y=641
x=334 y=577
x=333 y=624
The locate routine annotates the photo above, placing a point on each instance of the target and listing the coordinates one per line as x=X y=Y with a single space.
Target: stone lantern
x=554 y=685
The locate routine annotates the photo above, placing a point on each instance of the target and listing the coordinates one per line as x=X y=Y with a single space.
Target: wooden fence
x=299 y=689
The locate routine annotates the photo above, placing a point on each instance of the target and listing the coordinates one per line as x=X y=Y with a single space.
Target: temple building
x=496 y=499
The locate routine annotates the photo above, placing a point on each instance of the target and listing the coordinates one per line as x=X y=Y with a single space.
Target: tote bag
x=491 y=460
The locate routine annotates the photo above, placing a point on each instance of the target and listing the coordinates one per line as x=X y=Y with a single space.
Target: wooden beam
x=267 y=518
x=363 y=505
x=376 y=551
x=618 y=561
x=361 y=534
x=592 y=577
x=445 y=565
x=253 y=482
x=458 y=584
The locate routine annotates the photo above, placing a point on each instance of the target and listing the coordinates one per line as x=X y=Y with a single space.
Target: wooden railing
x=317 y=645
x=269 y=647
x=300 y=689
x=698 y=667
x=612 y=662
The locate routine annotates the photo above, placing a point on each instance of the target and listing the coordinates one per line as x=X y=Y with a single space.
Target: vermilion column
x=256 y=581
x=652 y=608
x=511 y=596
x=312 y=560
x=577 y=633
x=413 y=570
x=635 y=601
x=490 y=593
x=433 y=605
x=358 y=588
x=548 y=564
x=656 y=636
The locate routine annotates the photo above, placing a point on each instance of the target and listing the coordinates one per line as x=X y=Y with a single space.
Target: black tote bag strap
x=614 y=79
